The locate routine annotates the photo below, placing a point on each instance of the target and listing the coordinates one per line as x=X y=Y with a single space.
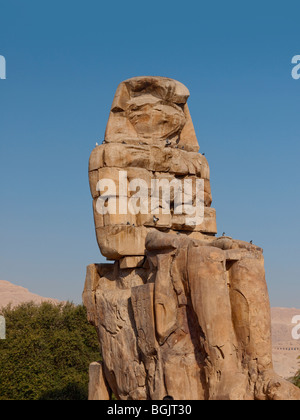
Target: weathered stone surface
x=180 y=312
x=151 y=109
x=199 y=318
x=149 y=137
x=209 y=224
x=155 y=157
x=117 y=241
x=98 y=388
x=2 y=328
x=131 y=262
x=149 y=164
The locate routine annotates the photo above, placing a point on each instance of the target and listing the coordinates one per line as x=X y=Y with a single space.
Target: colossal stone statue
x=180 y=312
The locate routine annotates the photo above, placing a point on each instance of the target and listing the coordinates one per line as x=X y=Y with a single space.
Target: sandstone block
x=98 y=388
x=93 y=180
x=131 y=262
x=117 y=241
x=96 y=158
x=184 y=222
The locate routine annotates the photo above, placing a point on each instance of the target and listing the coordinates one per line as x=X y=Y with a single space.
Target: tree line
x=47 y=352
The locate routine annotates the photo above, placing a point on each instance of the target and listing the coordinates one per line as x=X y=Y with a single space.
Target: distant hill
x=286 y=350
x=15 y=295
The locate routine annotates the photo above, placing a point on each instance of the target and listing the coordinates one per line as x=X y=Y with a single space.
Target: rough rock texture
x=98 y=388
x=150 y=135
x=180 y=312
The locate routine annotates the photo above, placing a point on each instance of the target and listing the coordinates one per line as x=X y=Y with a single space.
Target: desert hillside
x=15 y=295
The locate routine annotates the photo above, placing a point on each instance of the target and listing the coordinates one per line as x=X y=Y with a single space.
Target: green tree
x=47 y=352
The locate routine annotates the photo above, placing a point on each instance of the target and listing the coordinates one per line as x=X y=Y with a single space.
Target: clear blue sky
x=64 y=62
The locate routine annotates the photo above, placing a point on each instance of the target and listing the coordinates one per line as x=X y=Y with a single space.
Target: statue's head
x=151 y=109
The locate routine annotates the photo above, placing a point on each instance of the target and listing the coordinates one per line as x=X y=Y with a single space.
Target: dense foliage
x=47 y=353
